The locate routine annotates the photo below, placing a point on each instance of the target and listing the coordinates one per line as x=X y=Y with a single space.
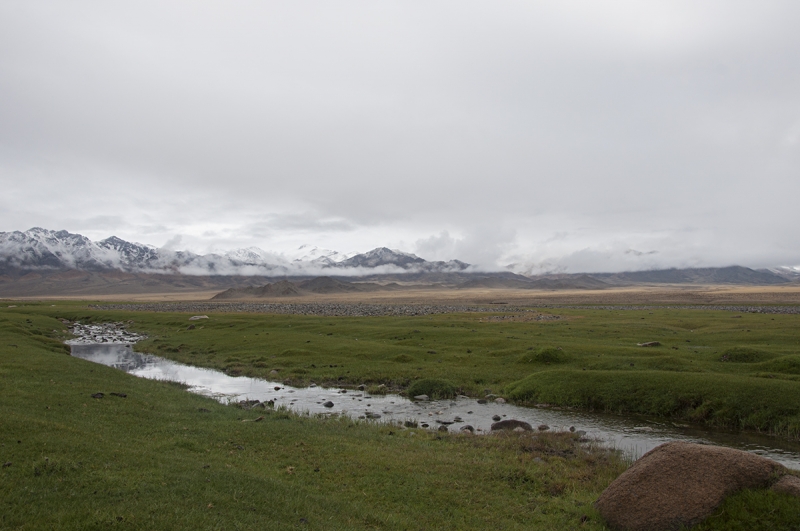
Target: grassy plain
x=155 y=460
x=162 y=458
x=721 y=368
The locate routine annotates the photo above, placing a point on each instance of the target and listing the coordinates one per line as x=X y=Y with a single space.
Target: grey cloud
x=364 y=124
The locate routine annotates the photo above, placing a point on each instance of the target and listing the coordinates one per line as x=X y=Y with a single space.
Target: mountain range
x=40 y=249
x=41 y=262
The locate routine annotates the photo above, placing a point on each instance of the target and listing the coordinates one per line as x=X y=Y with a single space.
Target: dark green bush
x=745 y=355
x=784 y=365
x=433 y=388
x=544 y=355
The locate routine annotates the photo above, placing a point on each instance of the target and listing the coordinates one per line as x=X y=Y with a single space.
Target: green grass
x=752 y=510
x=163 y=458
x=741 y=373
x=433 y=388
x=736 y=373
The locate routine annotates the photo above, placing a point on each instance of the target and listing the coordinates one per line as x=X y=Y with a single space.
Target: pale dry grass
x=637 y=295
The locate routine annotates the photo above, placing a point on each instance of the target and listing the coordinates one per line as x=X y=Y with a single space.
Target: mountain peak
x=39 y=248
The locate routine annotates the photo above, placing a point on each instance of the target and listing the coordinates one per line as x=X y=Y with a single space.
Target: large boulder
x=788 y=485
x=679 y=484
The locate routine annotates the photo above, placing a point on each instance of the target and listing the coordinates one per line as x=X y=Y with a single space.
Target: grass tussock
x=433 y=388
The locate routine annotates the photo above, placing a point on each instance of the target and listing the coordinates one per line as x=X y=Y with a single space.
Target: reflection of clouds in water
x=635 y=436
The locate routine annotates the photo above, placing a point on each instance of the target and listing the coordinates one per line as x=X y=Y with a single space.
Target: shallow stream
x=633 y=435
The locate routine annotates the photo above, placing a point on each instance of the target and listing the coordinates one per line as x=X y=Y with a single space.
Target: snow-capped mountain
x=39 y=249
x=383 y=256
x=319 y=256
x=789 y=272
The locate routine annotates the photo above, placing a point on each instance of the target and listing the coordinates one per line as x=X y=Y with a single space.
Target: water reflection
x=635 y=435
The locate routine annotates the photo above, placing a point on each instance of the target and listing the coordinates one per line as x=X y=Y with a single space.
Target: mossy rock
x=745 y=355
x=432 y=387
x=544 y=355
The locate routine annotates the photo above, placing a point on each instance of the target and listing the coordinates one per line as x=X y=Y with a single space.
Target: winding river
x=633 y=435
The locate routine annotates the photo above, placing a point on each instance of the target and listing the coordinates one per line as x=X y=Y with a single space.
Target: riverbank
x=720 y=367
x=149 y=455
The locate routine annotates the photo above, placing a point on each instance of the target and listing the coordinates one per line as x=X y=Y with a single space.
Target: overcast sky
x=563 y=135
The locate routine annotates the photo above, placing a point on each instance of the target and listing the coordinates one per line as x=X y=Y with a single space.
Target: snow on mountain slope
x=39 y=248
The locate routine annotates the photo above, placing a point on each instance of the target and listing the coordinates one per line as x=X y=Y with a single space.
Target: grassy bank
x=720 y=368
x=162 y=458
x=715 y=367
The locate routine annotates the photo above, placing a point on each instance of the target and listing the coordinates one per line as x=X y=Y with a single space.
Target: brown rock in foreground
x=788 y=485
x=679 y=484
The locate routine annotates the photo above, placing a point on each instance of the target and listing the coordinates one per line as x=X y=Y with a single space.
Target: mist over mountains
x=40 y=262
x=40 y=249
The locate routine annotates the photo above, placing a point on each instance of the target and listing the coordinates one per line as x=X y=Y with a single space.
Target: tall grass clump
x=432 y=387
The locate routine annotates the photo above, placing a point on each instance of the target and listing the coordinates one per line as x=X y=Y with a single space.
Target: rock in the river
x=328 y=404
x=511 y=424
x=679 y=484
x=788 y=485
x=496 y=418
x=422 y=398
x=543 y=427
x=468 y=428
x=443 y=428
x=482 y=401
x=500 y=400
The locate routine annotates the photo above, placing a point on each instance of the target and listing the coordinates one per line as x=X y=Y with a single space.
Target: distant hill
x=520 y=282
x=318 y=285
x=705 y=275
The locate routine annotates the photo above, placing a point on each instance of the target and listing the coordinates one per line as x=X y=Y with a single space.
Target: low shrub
x=783 y=365
x=544 y=355
x=745 y=355
x=432 y=387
